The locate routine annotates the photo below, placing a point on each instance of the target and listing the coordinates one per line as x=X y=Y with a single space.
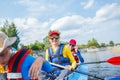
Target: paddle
x=60 y=66
x=114 y=60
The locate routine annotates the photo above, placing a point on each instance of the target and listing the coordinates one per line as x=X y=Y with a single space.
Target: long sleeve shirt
x=80 y=57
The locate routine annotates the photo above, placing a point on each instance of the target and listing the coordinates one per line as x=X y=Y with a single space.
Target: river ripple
x=102 y=70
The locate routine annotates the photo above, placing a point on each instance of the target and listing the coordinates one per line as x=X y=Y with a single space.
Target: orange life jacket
x=75 y=56
x=14 y=66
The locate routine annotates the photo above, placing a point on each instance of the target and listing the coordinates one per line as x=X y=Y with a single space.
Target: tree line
x=11 y=31
x=94 y=44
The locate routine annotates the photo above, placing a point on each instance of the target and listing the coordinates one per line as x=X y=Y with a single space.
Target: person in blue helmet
x=21 y=65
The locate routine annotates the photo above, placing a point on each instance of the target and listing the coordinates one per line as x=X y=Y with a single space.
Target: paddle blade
x=114 y=60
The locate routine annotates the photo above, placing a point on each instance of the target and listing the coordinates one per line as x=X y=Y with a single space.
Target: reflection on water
x=103 y=69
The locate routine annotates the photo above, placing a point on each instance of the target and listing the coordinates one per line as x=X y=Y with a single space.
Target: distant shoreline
x=115 y=49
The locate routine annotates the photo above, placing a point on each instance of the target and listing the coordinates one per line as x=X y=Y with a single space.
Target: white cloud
x=108 y=12
x=104 y=26
x=88 y=4
x=25 y=23
x=74 y=21
x=35 y=30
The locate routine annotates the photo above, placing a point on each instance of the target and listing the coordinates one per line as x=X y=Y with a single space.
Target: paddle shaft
x=94 y=62
x=60 y=66
x=114 y=60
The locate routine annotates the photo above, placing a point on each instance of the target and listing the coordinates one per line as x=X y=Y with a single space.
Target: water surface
x=102 y=70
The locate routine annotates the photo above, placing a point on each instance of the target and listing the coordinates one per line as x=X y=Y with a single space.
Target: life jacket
x=58 y=59
x=75 y=56
x=14 y=66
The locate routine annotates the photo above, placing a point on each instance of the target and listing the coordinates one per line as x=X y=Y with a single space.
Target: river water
x=101 y=70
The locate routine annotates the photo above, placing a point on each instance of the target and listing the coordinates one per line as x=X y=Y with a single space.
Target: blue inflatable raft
x=113 y=78
x=79 y=76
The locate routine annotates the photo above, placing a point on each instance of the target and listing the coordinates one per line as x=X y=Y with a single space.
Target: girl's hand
x=68 y=67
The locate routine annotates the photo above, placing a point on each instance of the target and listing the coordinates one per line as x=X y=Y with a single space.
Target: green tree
x=92 y=43
x=11 y=31
x=95 y=43
x=103 y=45
x=34 y=46
x=46 y=42
x=111 y=43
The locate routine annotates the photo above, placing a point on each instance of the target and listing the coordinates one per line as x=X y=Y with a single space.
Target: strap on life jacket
x=16 y=61
x=58 y=53
x=75 y=56
x=58 y=57
x=52 y=54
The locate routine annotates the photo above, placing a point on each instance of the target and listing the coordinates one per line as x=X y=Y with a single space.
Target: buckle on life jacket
x=14 y=75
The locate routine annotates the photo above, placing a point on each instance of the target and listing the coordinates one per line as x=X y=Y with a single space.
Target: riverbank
x=115 y=49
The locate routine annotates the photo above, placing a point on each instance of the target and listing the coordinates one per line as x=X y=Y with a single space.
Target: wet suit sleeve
x=28 y=62
x=67 y=53
x=80 y=57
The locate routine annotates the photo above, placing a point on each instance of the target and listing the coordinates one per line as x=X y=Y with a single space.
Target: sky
x=75 y=19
